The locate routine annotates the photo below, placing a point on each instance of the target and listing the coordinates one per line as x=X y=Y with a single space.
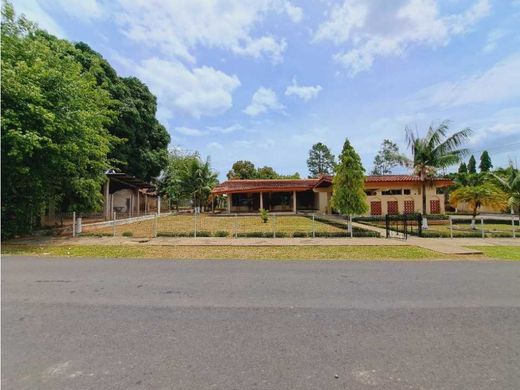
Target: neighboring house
x=129 y=195
x=392 y=194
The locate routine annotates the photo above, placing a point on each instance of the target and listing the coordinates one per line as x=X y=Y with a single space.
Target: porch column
x=229 y=203
x=106 y=204
x=294 y=202
x=261 y=200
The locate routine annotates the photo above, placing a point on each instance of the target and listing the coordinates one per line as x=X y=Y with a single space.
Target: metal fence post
x=482 y=226
x=274 y=226
x=451 y=226
x=235 y=225
x=73 y=224
x=114 y=224
x=513 y=223
x=155 y=225
x=313 y=226
x=350 y=227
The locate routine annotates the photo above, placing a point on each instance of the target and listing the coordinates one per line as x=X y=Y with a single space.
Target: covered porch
x=274 y=201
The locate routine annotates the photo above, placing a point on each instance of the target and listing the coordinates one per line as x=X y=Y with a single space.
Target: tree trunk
x=424 y=220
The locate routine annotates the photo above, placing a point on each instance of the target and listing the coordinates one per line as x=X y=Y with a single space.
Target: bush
x=203 y=233
x=264 y=215
x=302 y=234
x=174 y=234
x=95 y=234
x=128 y=234
x=221 y=233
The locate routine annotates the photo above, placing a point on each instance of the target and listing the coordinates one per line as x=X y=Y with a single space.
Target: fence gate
x=401 y=225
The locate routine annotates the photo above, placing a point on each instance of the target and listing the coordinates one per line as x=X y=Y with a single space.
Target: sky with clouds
x=263 y=80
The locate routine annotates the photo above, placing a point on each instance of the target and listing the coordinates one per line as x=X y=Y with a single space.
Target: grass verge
x=231 y=252
x=500 y=252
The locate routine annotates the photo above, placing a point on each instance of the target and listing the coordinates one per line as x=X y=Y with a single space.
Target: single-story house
x=126 y=194
x=388 y=194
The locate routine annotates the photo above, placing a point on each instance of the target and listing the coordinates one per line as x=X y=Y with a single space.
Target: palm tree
x=198 y=180
x=510 y=184
x=477 y=196
x=432 y=152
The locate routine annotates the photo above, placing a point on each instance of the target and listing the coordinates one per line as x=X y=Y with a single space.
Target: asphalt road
x=146 y=324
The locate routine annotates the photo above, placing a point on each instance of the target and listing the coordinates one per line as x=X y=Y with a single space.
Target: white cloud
x=294 y=13
x=84 y=10
x=499 y=83
x=225 y=130
x=304 y=92
x=375 y=28
x=215 y=146
x=493 y=38
x=189 y=131
x=264 y=99
x=196 y=92
x=177 y=27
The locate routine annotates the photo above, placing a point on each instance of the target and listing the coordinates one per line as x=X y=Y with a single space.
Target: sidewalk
x=455 y=246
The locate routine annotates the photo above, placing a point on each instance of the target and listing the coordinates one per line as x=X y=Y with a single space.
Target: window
x=392 y=207
x=393 y=192
x=375 y=208
x=371 y=192
x=439 y=190
x=409 y=206
x=407 y=191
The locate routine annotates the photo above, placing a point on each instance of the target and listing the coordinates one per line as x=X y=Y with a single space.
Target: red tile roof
x=279 y=185
x=273 y=185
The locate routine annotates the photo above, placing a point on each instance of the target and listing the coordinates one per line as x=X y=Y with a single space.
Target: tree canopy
x=387 y=158
x=245 y=169
x=320 y=161
x=472 y=165
x=485 y=162
x=348 y=196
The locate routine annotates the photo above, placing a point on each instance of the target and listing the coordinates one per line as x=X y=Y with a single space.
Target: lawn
x=500 y=252
x=231 y=252
x=287 y=224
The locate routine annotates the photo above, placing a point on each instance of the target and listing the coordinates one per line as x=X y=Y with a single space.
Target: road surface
x=147 y=324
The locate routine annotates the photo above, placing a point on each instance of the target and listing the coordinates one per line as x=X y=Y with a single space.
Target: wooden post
x=261 y=200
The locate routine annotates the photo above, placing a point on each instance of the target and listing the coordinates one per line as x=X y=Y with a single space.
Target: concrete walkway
x=455 y=246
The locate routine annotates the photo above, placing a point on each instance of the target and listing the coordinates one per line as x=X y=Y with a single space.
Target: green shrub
x=221 y=233
x=95 y=234
x=128 y=234
x=264 y=215
x=302 y=234
x=174 y=234
x=203 y=233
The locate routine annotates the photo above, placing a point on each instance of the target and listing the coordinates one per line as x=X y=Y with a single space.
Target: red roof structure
x=282 y=185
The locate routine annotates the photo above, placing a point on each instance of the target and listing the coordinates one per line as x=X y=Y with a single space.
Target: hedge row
x=301 y=234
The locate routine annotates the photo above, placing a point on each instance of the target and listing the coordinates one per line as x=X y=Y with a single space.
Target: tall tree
x=143 y=152
x=434 y=151
x=171 y=182
x=348 y=196
x=198 y=179
x=485 y=162
x=387 y=158
x=320 y=161
x=242 y=169
x=463 y=168
x=472 y=165
x=55 y=140
x=477 y=196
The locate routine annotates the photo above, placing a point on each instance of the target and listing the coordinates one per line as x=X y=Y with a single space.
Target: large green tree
x=320 y=161
x=485 y=162
x=198 y=179
x=55 y=117
x=348 y=196
x=143 y=152
x=436 y=150
x=387 y=158
x=242 y=169
x=509 y=181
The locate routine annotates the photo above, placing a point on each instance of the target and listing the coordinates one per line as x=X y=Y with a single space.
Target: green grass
x=500 y=252
x=231 y=252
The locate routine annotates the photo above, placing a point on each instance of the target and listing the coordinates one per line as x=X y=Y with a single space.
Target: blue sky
x=263 y=80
